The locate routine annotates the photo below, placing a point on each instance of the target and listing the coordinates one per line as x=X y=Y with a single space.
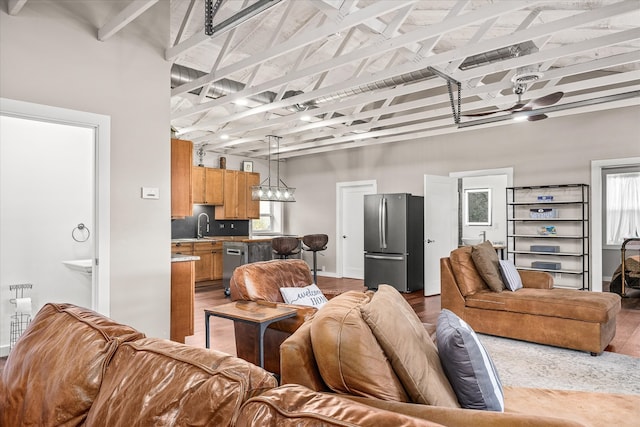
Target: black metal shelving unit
x=556 y=217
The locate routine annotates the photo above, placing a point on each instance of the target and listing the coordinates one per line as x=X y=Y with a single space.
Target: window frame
x=604 y=173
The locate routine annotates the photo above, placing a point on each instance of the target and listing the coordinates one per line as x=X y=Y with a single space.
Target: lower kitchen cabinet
x=182 y=300
x=209 y=267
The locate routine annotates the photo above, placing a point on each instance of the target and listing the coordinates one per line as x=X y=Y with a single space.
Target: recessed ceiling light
x=224 y=136
x=241 y=102
x=305 y=118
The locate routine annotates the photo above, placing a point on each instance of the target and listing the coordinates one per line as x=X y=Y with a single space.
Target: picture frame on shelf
x=247 y=166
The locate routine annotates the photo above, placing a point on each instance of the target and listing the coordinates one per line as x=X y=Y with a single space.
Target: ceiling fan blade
x=544 y=101
x=486 y=113
x=537 y=117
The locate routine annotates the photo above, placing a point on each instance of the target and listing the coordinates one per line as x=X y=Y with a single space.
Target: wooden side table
x=259 y=314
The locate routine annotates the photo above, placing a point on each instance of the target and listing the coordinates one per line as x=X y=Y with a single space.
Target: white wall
x=49 y=54
x=552 y=151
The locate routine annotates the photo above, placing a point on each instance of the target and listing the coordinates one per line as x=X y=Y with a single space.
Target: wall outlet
x=322 y=268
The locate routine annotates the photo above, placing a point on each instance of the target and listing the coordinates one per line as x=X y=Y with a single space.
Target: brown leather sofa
x=353 y=368
x=74 y=367
x=537 y=313
x=262 y=281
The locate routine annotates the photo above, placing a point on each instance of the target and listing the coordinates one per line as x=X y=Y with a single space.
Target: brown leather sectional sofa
x=74 y=367
x=335 y=352
x=537 y=313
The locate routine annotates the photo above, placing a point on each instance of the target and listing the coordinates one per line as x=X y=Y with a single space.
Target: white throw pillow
x=309 y=295
x=510 y=275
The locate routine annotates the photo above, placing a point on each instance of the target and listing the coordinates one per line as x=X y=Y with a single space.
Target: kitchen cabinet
x=235 y=202
x=207 y=186
x=253 y=206
x=209 y=267
x=182 y=299
x=548 y=230
x=237 y=196
x=181 y=164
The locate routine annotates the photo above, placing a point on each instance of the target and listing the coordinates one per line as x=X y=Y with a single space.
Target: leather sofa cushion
x=488 y=265
x=563 y=303
x=348 y=356
x=68 y=343
x=263 y=280
x=296 y=406
x=159 y=382
x=412 y=352
x=467 y=277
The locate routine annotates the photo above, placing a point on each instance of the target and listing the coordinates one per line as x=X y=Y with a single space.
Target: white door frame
x=102 y=129
x=596 y=215
x=340 y=188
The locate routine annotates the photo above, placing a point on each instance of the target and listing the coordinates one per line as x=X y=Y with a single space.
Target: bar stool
x=315 y=243
x=284 y=247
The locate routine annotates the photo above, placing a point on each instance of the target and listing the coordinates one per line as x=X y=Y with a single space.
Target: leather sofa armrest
x=298 y=363
x=536 y=279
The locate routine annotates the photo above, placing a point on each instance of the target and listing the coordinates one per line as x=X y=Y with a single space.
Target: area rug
x=524 y=364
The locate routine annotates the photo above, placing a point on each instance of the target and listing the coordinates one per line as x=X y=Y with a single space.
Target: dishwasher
x=235 y=254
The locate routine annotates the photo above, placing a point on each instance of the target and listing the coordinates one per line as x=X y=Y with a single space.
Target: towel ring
x=79 y=229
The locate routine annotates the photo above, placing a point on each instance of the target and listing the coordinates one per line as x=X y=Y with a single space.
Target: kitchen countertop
x=243 y=239
x=183 y=258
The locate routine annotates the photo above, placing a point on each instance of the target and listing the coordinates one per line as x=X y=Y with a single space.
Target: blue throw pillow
x=510 y=275
x=467 y=365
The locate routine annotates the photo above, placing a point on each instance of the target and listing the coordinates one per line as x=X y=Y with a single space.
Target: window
x=621 y=204
x=270 y=221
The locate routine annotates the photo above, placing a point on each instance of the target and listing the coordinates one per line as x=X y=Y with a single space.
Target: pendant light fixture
x=276 y=191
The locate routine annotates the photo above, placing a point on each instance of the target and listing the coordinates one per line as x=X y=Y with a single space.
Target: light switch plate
x=150 y=193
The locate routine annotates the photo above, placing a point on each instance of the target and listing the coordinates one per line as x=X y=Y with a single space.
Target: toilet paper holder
x=19 y=289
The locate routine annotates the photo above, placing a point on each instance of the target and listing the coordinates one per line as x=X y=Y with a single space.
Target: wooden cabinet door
x=198 y=184
x=214 y=186
x=241 y=195
x=181 y=161
x=229 y=210
x=182 y=300
x=204 y=266
x=253 y=206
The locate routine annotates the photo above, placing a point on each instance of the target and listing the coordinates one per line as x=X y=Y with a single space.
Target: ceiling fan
x=521 y=81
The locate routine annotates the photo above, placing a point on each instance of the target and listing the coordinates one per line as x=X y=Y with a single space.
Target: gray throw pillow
x=467 y=364
x=510 y=275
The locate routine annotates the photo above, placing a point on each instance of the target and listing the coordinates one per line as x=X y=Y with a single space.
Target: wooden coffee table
x=260 y=314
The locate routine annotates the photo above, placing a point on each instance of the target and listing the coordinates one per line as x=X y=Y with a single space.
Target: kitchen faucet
x=483 y=235
x=199 y=233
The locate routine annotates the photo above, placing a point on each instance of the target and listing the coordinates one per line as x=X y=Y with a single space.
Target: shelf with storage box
x=548 y=230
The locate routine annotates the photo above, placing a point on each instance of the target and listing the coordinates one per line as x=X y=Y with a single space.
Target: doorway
x=350 y=227
x=54 y=210
x=597 y=246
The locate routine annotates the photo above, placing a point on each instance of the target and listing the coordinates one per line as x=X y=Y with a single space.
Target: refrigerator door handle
x=388 y=257
x=380 y=223
x=384 y=223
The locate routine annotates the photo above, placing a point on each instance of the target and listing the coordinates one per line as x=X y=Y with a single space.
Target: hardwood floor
x=626 y=341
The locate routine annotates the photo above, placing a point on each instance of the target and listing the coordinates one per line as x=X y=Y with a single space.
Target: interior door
x=440 y=226
x=351 y=228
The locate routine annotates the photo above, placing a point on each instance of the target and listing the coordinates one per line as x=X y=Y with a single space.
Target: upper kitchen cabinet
x=235 y=206
x=181 y=164
x=207 y=186
x=237 y=196
x=253 y=206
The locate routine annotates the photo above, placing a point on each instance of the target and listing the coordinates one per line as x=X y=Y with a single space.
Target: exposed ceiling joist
x=15 y=6
x=128 y=14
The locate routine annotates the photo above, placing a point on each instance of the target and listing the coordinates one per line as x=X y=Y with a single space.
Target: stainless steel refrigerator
x=394 y=241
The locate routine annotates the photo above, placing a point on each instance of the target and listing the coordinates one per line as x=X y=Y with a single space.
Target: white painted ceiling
x=326 y=75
